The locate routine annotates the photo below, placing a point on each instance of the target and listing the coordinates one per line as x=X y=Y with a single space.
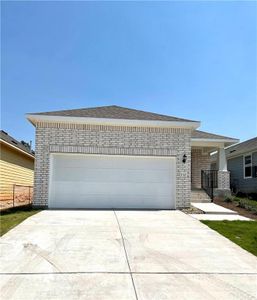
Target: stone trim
x=111 y=150
x=224 y=180
x=111 y=128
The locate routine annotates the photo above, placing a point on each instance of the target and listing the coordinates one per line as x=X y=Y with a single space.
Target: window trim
x=248 y=165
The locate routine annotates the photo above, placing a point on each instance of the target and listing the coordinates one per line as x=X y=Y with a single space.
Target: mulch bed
x=232 y=205
x=191 y=210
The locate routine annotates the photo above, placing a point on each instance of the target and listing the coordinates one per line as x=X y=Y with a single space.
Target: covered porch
x=214 y=179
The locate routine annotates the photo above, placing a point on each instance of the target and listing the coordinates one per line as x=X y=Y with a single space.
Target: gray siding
x=236 y=168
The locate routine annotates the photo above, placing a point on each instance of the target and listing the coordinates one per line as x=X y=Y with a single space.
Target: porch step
x=199 y=196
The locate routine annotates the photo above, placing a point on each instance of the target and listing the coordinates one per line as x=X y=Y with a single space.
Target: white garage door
x=110 y=181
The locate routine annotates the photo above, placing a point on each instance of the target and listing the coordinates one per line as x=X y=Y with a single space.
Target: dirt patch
x=7 y=204
x=191 y=210
x=232 y=205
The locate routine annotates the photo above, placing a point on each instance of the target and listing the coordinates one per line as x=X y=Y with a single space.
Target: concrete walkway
x=139 y=255
x=219 y=217
x=214 y=212
x=211 y=208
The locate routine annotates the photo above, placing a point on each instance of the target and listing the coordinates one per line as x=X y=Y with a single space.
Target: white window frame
x=248 y=165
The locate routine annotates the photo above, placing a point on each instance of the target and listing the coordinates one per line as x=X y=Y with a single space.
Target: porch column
x=222 y=159
x=223 y=173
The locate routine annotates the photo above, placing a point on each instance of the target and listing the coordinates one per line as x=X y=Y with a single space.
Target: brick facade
x=113 y=140
x=201 y=160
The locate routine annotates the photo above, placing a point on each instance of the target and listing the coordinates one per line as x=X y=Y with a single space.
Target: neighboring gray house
x=242 y=164
x=115 y=157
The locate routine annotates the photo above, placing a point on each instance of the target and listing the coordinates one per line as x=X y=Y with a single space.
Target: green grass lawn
x=243 y=233
x=10 y=219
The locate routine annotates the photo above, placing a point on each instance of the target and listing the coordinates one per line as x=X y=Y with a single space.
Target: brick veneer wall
x=113 y=140
x=200 y=161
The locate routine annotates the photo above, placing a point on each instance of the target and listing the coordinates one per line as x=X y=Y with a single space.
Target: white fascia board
x=104 y=121
x=17 y=148
x=212 y=142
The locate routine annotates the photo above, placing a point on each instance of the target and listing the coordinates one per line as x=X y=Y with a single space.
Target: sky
x=195 y=60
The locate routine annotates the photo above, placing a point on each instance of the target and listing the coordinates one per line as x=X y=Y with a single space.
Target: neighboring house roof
x=14 y=143
x=238 y=149
x=113 y=112
x=244 y=147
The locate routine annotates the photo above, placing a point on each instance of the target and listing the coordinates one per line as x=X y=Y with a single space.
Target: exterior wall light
x=184 y=158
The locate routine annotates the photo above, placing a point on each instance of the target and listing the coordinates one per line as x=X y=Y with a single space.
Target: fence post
x=211 y=173
x=13 y=194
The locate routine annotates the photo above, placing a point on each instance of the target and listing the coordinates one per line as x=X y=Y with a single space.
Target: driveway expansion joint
x=127 y=273
x=126 y=254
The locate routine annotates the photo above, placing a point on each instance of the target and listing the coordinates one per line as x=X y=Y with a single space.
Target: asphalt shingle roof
x=113 y=112
x=118 y=112
x=246 y=146
x=12 y=141
x=197 y=134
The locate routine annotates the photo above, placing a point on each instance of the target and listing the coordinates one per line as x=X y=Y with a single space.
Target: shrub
x=228 y=199
x=248 y=204
x=235 y=199
x=241 y=195
x=252 y=196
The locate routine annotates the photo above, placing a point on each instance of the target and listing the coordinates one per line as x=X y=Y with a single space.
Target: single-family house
x=116 y=157
x=16 y=171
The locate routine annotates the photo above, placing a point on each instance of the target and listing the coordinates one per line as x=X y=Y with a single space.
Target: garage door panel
x=115 y=201
x=110 y=162
x=111 y=175
x=122 y=189
x=95 y=181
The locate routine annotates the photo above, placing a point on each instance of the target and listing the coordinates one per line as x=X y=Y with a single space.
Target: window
x=248 y=166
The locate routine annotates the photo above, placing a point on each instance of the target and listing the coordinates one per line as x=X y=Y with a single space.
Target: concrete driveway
x=144 y=255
